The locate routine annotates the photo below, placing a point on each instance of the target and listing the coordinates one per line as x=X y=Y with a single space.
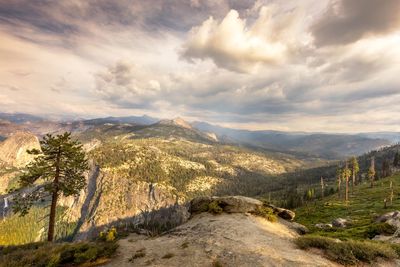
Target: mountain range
x=307 y=144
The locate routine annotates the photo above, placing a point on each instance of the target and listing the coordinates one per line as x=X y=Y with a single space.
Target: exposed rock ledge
x=229 y=239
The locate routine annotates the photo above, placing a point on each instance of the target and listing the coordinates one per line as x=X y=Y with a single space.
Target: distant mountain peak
x=178 y=121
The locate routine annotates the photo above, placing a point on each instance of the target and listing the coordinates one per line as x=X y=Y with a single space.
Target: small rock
x=340 y=222
x=324 y=225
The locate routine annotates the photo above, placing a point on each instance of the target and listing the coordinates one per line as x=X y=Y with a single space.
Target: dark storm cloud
x=347 y=21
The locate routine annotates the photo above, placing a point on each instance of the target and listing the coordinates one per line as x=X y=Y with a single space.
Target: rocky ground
x=227 y=239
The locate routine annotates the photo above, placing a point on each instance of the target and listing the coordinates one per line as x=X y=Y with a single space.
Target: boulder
x=390 y=216
x=229 y=204
x=297 y=227
x=283 y=213
x=340 y=222
x=238 y=204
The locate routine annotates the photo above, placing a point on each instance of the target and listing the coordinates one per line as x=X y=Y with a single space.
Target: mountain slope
x=329 y=146
x=13 y=149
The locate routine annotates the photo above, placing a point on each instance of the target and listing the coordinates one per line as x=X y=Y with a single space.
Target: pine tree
x=322 y=187
x=59 y=168
x=339 y=179
x=371 y=172
x=355 y=168
x=346 y=177
x=385 y=168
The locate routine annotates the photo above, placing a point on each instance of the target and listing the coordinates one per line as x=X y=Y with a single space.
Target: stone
x=229 y=204
x=393 y=215
x=340 y=222
x=287 y=214
x=283 y=213
x=238 y=204
x=297 y=227
x=324 y=225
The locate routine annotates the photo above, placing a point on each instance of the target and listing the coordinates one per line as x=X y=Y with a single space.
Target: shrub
x=213 y=207
x=380 y=229
x=348 y=252
x=56 y=254
x=108 y=235
x=266 y=213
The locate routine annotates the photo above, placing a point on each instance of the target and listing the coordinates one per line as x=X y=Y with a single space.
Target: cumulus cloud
x=345 y=21
x=237 y=46
x=125 y=84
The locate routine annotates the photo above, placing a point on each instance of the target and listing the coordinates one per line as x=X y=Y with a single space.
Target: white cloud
x=237 y=45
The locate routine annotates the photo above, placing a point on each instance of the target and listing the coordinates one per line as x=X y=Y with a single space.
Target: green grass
x=349 y=252
x=364 y=206
x=57 y=254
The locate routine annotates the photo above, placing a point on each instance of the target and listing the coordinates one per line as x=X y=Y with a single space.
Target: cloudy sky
x=306 y=65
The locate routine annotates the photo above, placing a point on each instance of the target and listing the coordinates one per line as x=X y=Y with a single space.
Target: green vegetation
x=214 y=207
x=364 y=206
x=266 y=213
x=349 y=252
x=57 y=254
x=16 y=230
x=60 y=165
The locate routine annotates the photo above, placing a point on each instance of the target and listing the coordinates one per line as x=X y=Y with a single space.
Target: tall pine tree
x=355 y=168
x=58 y=169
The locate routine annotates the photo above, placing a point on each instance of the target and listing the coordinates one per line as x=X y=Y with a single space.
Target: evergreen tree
x=385 y=168
x=339 y=179
x=57 y=169
x=355 y=168
x=346 y=176
x=371 y=171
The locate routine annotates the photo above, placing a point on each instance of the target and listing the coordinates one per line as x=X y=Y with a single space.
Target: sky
x=326 y=66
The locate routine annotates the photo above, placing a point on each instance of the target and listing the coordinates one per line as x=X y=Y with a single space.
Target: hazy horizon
x=306 y=66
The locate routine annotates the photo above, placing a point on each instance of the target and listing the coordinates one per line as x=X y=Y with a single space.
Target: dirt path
x=227 y=239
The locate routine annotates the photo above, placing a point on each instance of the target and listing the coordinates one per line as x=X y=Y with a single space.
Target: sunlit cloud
x=289 y=65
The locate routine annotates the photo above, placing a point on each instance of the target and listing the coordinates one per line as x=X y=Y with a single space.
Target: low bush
x=380 y=229
x=348 y=252
x=214 y=207
x=56 y=254
x=266 y=213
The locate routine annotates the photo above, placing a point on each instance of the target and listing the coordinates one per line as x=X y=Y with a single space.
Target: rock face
x=234 y=239
x=112 y=200
x=13 y=149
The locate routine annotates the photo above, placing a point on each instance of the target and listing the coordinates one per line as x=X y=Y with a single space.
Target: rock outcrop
x=13 y=149
x=228 y=239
